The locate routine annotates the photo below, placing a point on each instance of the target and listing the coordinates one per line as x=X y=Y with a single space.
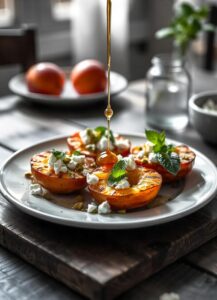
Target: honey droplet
x=108 y=113
x=107 y=158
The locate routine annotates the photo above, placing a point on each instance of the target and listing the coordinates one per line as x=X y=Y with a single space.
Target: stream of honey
x=108 y=157
x=109 y=111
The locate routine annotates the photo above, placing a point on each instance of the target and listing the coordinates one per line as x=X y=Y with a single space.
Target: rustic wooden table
x=192 y=276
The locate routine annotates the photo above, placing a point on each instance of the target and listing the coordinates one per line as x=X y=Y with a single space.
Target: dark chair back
x=18 y=46
x=209 y=59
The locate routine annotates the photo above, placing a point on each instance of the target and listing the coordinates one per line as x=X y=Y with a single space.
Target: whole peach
x=45 y=78
x=88 y=77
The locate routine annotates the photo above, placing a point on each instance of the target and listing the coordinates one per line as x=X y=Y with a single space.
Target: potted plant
x=168 y=80
x=185 y=27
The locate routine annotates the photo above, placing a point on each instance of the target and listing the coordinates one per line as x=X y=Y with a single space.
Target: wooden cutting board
x=102 y=264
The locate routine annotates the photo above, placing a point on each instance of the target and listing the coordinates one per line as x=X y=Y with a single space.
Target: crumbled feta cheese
x=75 y=160
x=104 y=208
x=85 y=137
x=52 y=160
x=78 y=158
x=141 y=154
x=36 y=189
x=122 y=144
x=64 y=169
x=152 y=157
x=169 y=296
x=92 y=208
x=85 y=172
x=123 y=184
x=130 y=163
x=102 y=144
x=119 y=157
x=92 y=179
x=72 y=165
x=57 y=166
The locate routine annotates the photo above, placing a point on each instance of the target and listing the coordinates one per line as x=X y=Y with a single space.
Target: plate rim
x=109 y=225
x=50 y=99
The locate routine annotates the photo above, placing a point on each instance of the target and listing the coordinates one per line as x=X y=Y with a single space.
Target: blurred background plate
x=69 y=96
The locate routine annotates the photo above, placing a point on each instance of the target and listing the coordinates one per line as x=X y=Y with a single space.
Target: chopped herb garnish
x=77 y=153
x=112 y=137
x=118 y=172
x=158 y=139
x=165 y=154
x=58 y=154
x=170 y=161
x=102 y=131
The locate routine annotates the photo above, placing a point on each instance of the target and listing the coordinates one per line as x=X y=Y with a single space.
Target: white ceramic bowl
x=204 y=121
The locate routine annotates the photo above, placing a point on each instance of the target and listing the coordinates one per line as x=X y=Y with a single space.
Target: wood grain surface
x=205 y=257
x=99 y=264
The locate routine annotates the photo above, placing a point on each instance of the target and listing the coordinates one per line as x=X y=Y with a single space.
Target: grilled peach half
x=63 y=183
x=144 y=187
x=75 y=144
x=187 y=158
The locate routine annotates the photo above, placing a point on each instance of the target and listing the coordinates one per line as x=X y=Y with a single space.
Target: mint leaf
x=77 y=153
x=164 y=153
x=162 y=137
x=152 y=136
x=170 y=161
x=58 y=154
x=118 y=172
x=167 y=149
x=103 y=131
x=158 y=139
x=112 y=139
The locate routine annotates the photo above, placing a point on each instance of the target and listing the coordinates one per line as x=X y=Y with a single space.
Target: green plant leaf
x=195 y=27
x=186 y=9
x=77 y=153
x=118 y=172
x=164 y=153
x=203 y=12
x=103 y=131
x=58 y=154
x=162 y=137
x=158 y=139
x=185 y=26
x=112 y=137
x=164 y=33
x=170 y=161
x=152 y=136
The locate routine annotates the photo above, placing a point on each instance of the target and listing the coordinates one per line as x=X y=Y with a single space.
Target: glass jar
x=167 y=93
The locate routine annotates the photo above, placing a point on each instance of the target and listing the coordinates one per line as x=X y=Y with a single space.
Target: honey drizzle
x=108 y=111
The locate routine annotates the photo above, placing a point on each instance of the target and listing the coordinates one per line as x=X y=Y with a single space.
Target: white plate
x=197 y=190
x=69 y=96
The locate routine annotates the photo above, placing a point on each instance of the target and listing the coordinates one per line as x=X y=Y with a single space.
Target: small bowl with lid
x=203 y=115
